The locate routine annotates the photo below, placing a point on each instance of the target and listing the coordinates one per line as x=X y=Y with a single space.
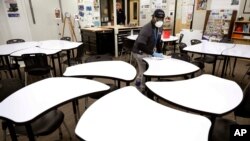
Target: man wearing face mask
x=149 y=42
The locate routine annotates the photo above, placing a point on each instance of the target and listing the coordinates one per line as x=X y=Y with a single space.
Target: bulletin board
x=147 y=8
x=89 y=13
x=184 y=15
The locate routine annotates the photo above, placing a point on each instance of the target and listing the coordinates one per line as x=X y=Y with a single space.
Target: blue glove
x=160 y=55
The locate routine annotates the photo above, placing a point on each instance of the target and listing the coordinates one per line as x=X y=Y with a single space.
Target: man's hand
x=160 y=55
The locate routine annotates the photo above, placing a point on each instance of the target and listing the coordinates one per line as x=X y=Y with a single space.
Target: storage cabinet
x=98 y=41
x=123 y=33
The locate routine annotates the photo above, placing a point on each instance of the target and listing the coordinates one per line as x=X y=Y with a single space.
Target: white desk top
x=132 y=37
x=239 y=50
x=112 y=69
x=58 y=44
x=170 y=39
x=206 y=93
x=7 y=49
x=35 y=50
x=34 y=99
x=168 y=67
x=212 y=48
x=127 y=115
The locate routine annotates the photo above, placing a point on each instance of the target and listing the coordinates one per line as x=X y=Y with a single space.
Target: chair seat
x=44 y=125
x=9 y=86
x=207 y=59
x=38 y=71
x=221 y=130
x=12 y=66
x=96 y=58
x=73 y=61
x=101 y=94
x=199 y=64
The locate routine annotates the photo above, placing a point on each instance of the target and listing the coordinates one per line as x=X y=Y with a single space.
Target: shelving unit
x=219 y=24
x=241 y=30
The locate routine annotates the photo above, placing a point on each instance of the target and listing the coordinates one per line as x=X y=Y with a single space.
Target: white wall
x=45 y=28
x=14 y=27
x=4 y=26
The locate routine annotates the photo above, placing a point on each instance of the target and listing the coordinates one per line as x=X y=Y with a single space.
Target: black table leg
x=30 y=132
x=59 y=63
x=223 y=68
x=68 y=57
x=8 y=65
x=214 y=65
x=119 y=84
x=53 y=63
x=11 y=130
x=127 y=83
x=234 y=66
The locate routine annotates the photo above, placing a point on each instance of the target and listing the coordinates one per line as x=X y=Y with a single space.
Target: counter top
x=107 y=28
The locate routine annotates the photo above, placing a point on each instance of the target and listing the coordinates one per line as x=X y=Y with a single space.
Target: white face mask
x=159 y=24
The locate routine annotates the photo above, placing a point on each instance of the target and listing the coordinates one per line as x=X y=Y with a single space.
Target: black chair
x=210 y=59
x=221 y=130
x=79 y=56
x=127 y=47
x=12 y=41
x=243 y=110
x=97 y=58
x=42 y=126
x=174 y=46
x=3 y=67
x=66 y=38
x=36 y=64
x=198 y=63
x=46 y=124
x=14 y=65
x=181 y=56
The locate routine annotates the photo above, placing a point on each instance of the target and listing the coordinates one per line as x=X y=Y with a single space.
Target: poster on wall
x=12 y=8
x=235 y=2
x=201 y=4
x=89 y=13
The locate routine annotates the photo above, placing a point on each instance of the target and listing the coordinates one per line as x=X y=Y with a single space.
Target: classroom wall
x=4 y=26
x=46 y=25
x=14 y=27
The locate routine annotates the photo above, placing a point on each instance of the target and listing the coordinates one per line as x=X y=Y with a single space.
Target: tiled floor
x=67 y=109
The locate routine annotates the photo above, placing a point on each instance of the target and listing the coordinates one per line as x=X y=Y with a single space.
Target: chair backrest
x=181 y=47
x=66 y=38
x=12 y=41
x=181 y=56
x=36 y=62
x=243 y=110
x=80 y=51
x=195 y=41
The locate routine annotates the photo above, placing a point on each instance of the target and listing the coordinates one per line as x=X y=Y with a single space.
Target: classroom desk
x=7 y=49
x=120 y=70
x=48 y=52
x=62 y=45
x=170 y=39
x=168 y=67
x=206 y=94
x=209 y=48
x=238 y=51
x=28 y=103
x=127 y=115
